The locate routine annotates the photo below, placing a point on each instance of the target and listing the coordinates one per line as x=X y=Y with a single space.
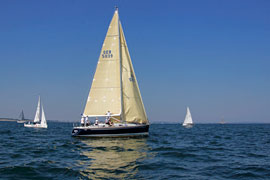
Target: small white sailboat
x=40 y=119
x=21 y=118
x=188 y=120
x=222 y=121
x=114 y=93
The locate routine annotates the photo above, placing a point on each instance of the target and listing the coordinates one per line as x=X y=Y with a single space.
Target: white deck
x=35 y=125
x=101 y=125
x=116 y=135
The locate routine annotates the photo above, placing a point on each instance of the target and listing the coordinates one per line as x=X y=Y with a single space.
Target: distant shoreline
x=6 y=119
x=164 y=123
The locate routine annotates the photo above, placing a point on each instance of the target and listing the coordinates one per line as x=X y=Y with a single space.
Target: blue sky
x=212 y=56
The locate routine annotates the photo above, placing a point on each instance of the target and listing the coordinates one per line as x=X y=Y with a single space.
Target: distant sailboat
x=40 y=119
x=114 y=93
x=188 y=120
x=21 y=118
x=222 y=121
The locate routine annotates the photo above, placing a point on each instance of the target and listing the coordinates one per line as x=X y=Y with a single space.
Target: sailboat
x=222 y=121
x=21 y=118
x=188 y=119
x=114 y=92
x=40 y=119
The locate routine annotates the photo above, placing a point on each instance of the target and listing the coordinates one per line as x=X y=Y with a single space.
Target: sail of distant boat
x=43 y=121
x=114 y=87
x=188 y=119
x=21 y=118
x=37 y=116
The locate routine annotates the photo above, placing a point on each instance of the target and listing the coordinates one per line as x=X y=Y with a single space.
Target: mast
x=22 y=118
x=120 y=60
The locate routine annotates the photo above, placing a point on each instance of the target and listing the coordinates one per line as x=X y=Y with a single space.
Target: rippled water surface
x=170 y=152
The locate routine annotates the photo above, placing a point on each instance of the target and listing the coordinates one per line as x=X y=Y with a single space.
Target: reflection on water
x=113 y=158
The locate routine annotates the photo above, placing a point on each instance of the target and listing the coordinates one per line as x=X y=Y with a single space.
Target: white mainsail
x=37 y=116
x=114 y=86
x=188 y=119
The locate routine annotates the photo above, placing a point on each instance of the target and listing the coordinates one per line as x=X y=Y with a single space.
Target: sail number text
x=107 y=54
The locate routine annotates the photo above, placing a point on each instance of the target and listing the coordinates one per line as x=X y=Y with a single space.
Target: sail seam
x=104 y=87
x=111 y=35
x=106 y=60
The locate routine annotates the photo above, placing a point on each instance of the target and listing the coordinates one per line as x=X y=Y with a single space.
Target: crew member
x=96 y=122
x=108 y=117
x=82 y=121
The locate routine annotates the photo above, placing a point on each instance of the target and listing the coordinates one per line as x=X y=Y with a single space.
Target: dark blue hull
x=138 y=130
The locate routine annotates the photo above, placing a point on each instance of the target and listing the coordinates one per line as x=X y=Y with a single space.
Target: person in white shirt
x=82 y=120
x=96 y=122
x=86 y=121
x=108 y=117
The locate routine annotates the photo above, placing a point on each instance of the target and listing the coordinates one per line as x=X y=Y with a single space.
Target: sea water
x=206 y=151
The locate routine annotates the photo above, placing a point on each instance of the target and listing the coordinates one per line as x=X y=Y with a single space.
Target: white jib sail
x=188 y=119
x=37 y=116
x=43 y=118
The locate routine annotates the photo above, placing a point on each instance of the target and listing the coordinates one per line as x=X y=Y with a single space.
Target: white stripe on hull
x=21 y=121
x=188 y=125
x=115 y=135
